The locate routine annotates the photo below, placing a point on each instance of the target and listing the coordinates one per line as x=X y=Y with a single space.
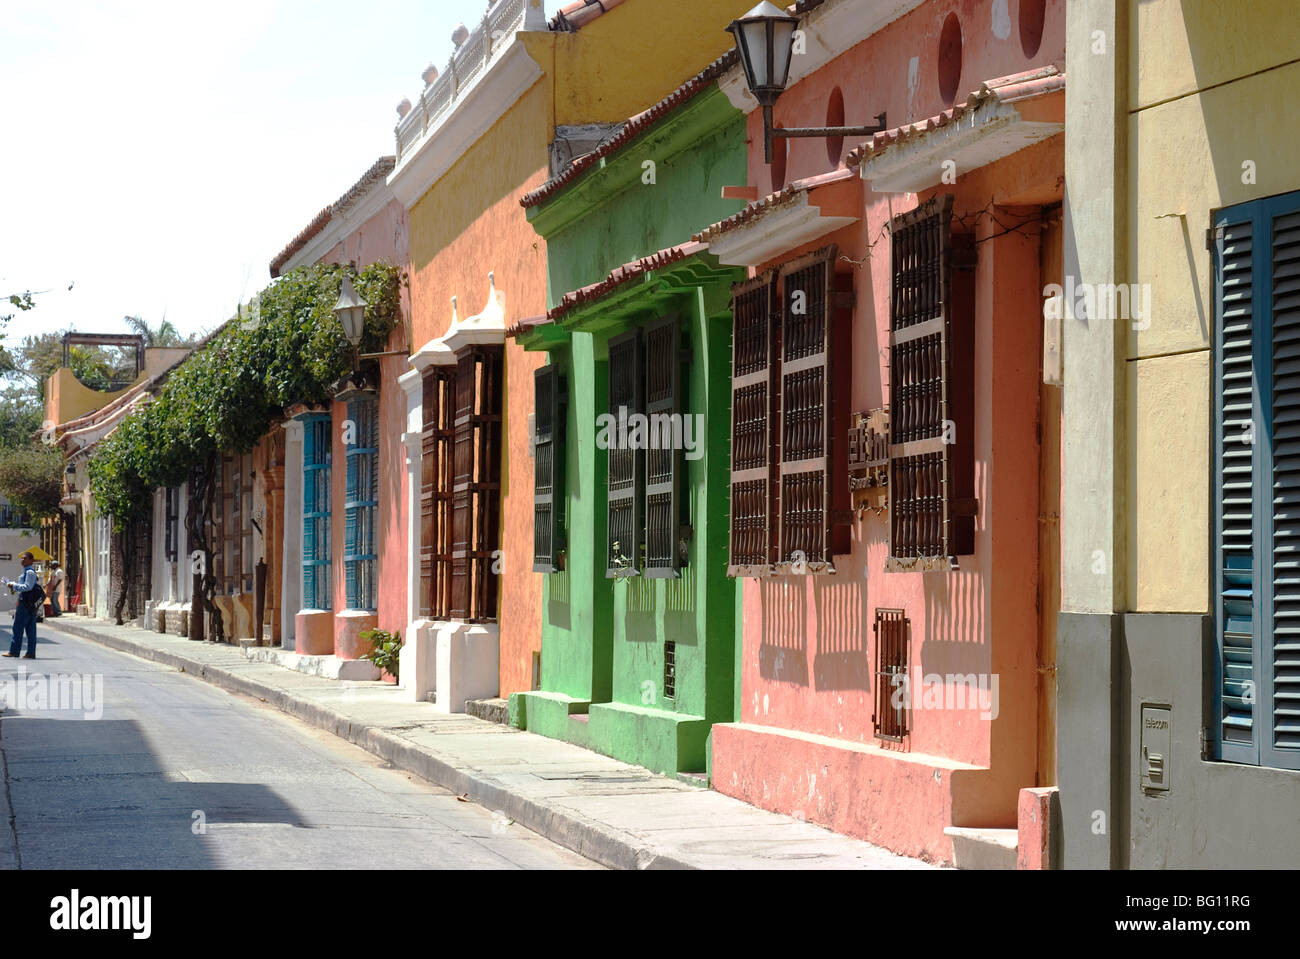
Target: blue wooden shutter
x=1236 y=410
x=1257 y=482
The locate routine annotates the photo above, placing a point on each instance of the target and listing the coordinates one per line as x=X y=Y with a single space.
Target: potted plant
x=385 y=652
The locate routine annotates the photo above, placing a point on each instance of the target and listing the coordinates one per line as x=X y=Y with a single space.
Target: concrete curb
x=602 y=844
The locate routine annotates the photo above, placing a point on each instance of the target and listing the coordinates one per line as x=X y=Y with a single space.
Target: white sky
x=159 y=153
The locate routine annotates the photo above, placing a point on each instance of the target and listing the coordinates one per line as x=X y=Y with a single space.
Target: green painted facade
x=603 y=639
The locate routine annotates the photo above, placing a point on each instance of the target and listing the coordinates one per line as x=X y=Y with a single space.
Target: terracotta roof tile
x=1008 y=89
x=632 y=128
x=574 y=16
x=771 y=202
x=378 y=172
x=616 y=278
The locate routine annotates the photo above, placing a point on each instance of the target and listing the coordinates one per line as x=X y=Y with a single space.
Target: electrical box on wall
x=1157 y=740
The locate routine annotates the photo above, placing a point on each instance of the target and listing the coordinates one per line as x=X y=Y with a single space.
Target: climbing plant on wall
x=232 y=390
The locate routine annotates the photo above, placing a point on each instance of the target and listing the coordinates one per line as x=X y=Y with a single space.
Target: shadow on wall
x=954 y=610
x=557 y=606
x=842 y=626
x=783 y=654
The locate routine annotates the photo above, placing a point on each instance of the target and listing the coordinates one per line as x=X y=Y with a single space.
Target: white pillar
x=291 y=560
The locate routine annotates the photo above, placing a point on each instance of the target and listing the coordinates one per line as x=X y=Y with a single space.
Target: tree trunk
x=126 y=551
x=198 y=511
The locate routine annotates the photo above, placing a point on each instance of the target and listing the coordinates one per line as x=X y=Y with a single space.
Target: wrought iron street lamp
x=765 y=39
x=351 y=313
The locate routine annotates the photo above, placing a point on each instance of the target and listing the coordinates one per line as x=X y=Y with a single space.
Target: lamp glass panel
x=756 y=46
x=782 y=44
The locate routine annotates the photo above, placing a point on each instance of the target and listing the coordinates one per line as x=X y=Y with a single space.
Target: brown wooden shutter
x=931 y=393
x=436 y=492
x=753 y=442
x=548 y=472
x=807 y=403
x=626 y=480
x=892 y=630
x=663 y=458
x=475 y=500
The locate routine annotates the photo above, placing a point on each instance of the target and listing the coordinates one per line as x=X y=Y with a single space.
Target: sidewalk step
x=493 y=710
x=977 y=848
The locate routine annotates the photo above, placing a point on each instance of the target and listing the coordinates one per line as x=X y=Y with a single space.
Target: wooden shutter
x=476 y=483
x=1282 y=655
x=931 y=394
x=892 y=630
x=626 y=478
x=663 y=457
x=548 y=469
x=807 y=402
x=437 y=413
x=1257 y=482
x=753 y=452
x=1235 y=413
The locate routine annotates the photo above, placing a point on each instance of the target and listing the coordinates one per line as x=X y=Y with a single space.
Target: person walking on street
x=29 y=591
x=52 y=586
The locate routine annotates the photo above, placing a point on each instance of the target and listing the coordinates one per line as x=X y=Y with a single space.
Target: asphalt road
x=177 y=774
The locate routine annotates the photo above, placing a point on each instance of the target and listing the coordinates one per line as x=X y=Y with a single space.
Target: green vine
x=228 y=395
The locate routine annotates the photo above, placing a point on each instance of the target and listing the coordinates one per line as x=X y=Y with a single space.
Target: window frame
x=360 y=552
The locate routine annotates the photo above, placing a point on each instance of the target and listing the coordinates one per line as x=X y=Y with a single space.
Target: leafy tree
x=165 y=334
x=31 y=477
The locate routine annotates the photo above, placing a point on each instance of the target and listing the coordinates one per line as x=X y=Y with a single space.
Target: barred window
x=931 y=391
x=789 y=420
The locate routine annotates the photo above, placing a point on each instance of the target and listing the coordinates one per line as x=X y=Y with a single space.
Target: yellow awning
x=38 y=554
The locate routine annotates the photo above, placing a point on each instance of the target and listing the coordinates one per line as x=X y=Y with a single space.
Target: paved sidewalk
x=619 y=815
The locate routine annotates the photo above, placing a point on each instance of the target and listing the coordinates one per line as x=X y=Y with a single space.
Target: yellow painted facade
x=66 y=398
x=1212 y=101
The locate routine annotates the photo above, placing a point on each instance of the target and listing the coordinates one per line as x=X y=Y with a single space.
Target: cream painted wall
x=1185 y=160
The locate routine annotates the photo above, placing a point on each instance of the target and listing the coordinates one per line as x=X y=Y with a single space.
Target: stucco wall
x=1199 y=109
x=808 y=641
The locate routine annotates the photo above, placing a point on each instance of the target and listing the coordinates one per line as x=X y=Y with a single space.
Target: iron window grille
x=789 y=418
x=670 y=669
x=931 y=391
x=646 y=526
x=893 y=632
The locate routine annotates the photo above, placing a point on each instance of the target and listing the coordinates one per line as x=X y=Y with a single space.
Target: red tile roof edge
x=616 y=278
x=1016 y=86
x=572 y=17
x=772 y=201
x=632 y=128
x=378 y=171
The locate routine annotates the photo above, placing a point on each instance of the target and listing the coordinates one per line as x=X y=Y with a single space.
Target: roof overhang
x=804 y=211
x=990 y=126
x=475 y=109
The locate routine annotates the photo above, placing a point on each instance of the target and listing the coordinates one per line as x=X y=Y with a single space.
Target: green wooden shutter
x=626 y=478
x=548 y=469
x=663 y=458
x=753 y=458
x=807 y=316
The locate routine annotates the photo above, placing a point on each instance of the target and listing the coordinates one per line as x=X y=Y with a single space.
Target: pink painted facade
x=381 y=238
x=804 y=743
x=365 y=226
